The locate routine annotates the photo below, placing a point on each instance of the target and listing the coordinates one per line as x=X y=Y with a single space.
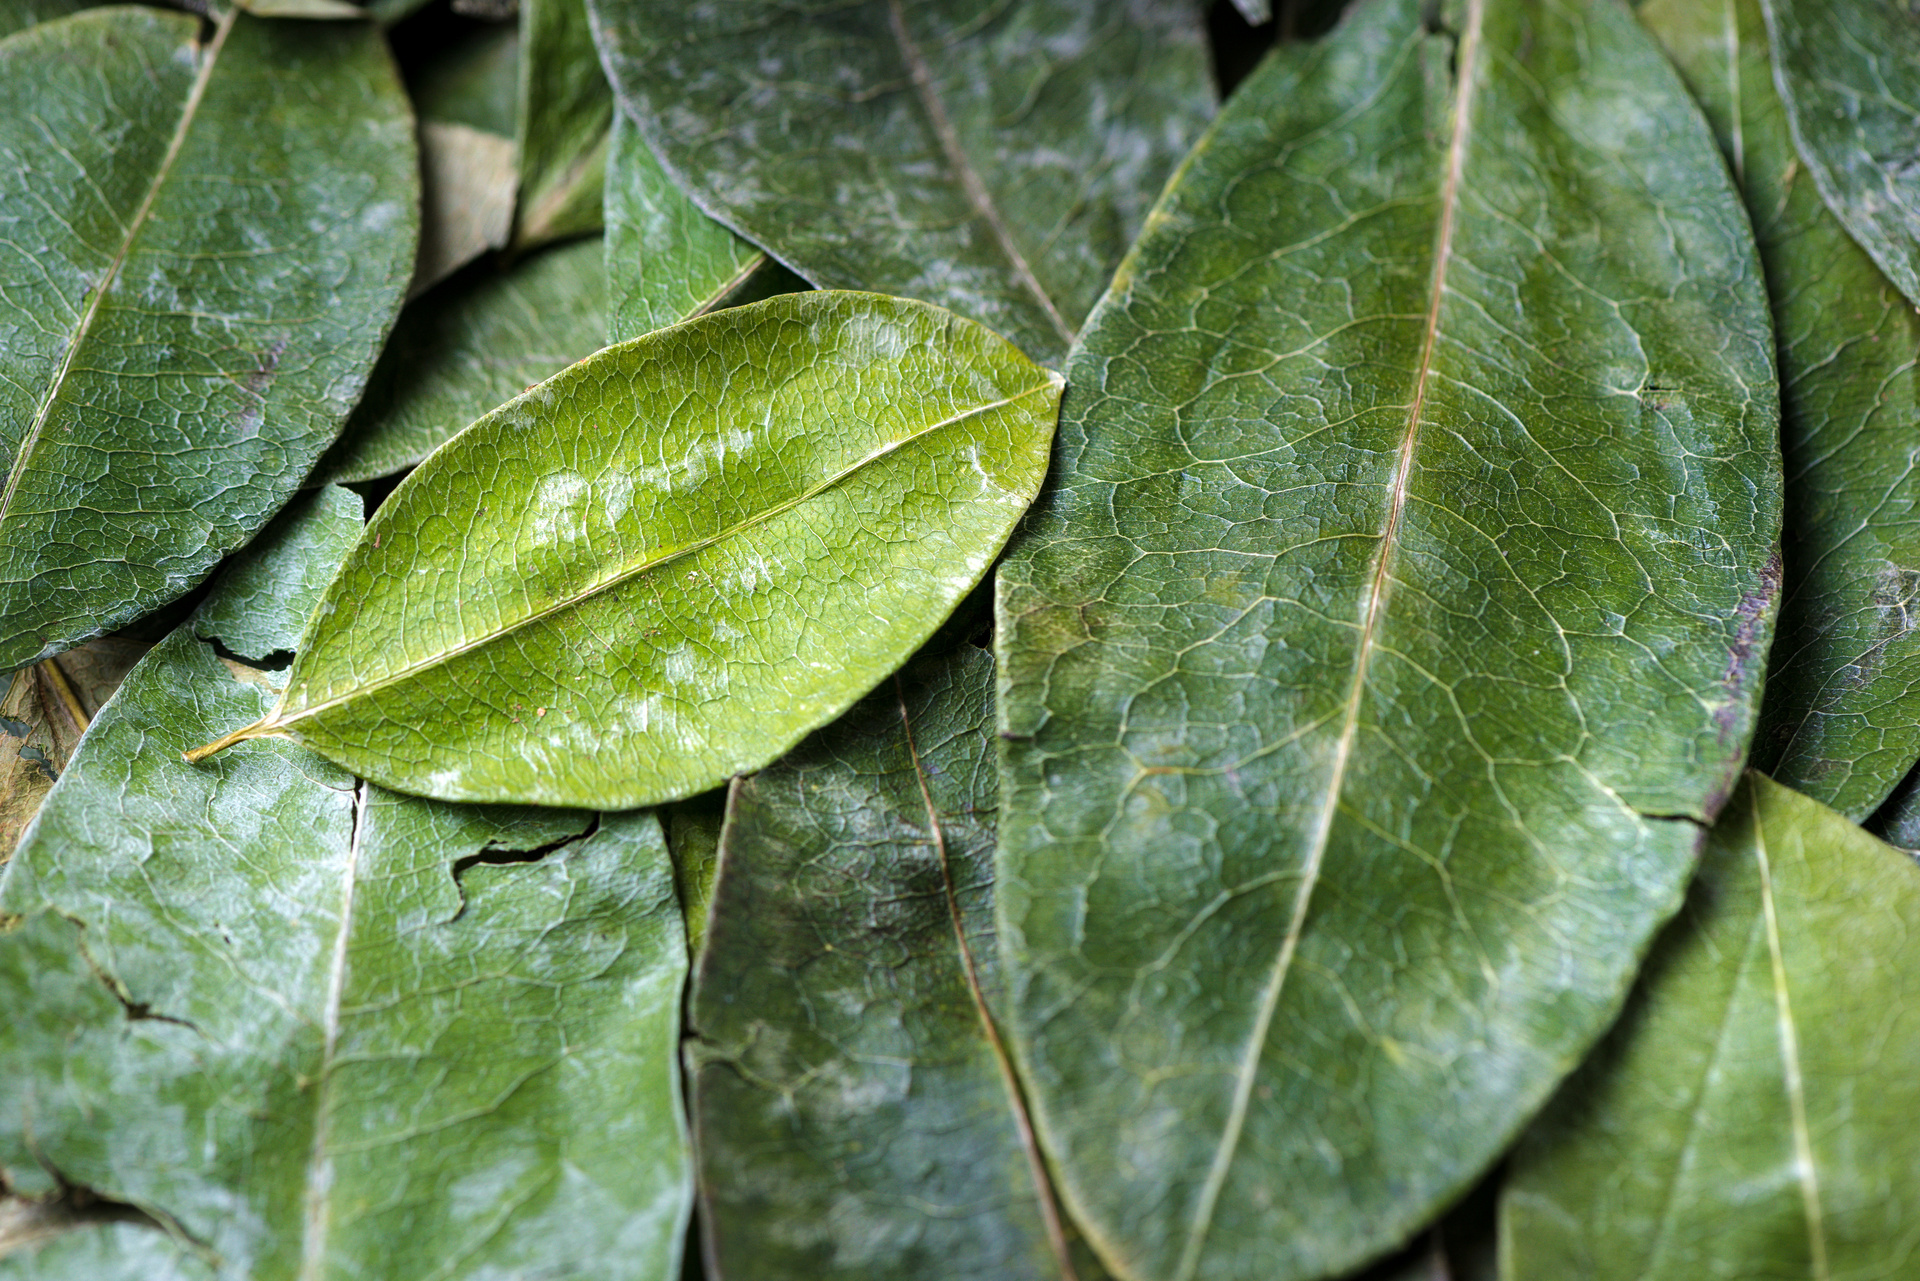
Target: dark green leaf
x=847 y=1052
x=1843 y=682
x=269 y=590
x=462 y=349
x=1395 y=621
x=18 y=15
x=473 y=81
x=205 y=246
x=1849 y=76
x=669 y=563
x=330 y=1032
x=1752 y=1116
x=993 y=159
x=565 y=111
x=666 y=260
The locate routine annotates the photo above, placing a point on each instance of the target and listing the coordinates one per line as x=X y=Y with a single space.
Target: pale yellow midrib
x=318 y=1219
x=278 y=722
x=1468 y=57
x=1805 y=1171
x=970 y=181
x=31 y=439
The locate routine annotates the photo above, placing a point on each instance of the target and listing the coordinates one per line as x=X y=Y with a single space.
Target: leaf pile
x=896 y=639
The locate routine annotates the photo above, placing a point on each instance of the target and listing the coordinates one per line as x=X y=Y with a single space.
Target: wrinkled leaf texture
x=1839 y=719
x=667 y=564
x=1394 y=623
x=325 y=1031
x=846 y=1049
x=995 y=158
x=1849 y=77
x=1752 y=1115
x=206 y=245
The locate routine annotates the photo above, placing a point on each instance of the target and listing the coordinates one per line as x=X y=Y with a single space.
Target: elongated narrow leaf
x=993 y=158
x=1752 y=1116
x=465 y=347
x=847 y=1050
x=666 y=260
x=667 y=564
x=205 y=246
x=329 y=1032
x=1841 y=719
x=1849 y=76
x=1400 y=603
x=565 y=112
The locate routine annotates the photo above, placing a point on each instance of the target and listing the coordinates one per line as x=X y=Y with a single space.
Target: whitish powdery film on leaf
x=665 y=565
x=1395 y=623
x=322 y=1031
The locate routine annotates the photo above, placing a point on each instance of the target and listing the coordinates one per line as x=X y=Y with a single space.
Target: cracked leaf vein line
x=1469 y=49
x=134 y=226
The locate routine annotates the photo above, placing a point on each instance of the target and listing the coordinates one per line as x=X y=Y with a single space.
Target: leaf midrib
x=1049 y=1204
x=137 y=223
x=1468 y=52
x=277 y=721
x=970 y=182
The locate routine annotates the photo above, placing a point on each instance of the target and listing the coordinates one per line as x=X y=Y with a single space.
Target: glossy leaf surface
x=1841 y=718
x=461 y=350
x=200 y=265
x=666 y=260
x=845 y=1047
x=565 y=111
x=1400 y=602
x=992 y=158
x=1752 y=1115
x=667 y=564
x=331 y=1032
x=1849 y=77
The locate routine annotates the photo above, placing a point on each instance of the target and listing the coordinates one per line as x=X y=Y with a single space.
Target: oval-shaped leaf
x=1396 y=619
x=1849 y=77
x=996 y=160
x=206 y=245
x=1841 y=717
x=1752 y=1116
x=667 y=564
x=323 y=1031
x=847 y=1048
x=462 y=349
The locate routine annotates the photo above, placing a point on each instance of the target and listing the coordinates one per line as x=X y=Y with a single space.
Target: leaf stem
x=260 y=728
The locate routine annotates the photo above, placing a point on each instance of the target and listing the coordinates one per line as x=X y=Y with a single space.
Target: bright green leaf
x=205 y=247
x=667 y=564
x=666 y=260
x=993 y=160
x=1841 y=720
x=330 y=1032
x=565 y=112
x=846 y=1051
x=465 y=347
x=1752 y=1116
x=1394 y=623
x=1849 y=77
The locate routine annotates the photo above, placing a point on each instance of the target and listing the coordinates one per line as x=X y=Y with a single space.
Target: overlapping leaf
x=462 y=349
x=847 y=1048
x=325 y=1031
x=199 y=266
x=667 y=564
x=993 y=158
x=1841 y=720
x=1849 y=78
x=1394 y=623
x=1752 y=1115
x=565 y=112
